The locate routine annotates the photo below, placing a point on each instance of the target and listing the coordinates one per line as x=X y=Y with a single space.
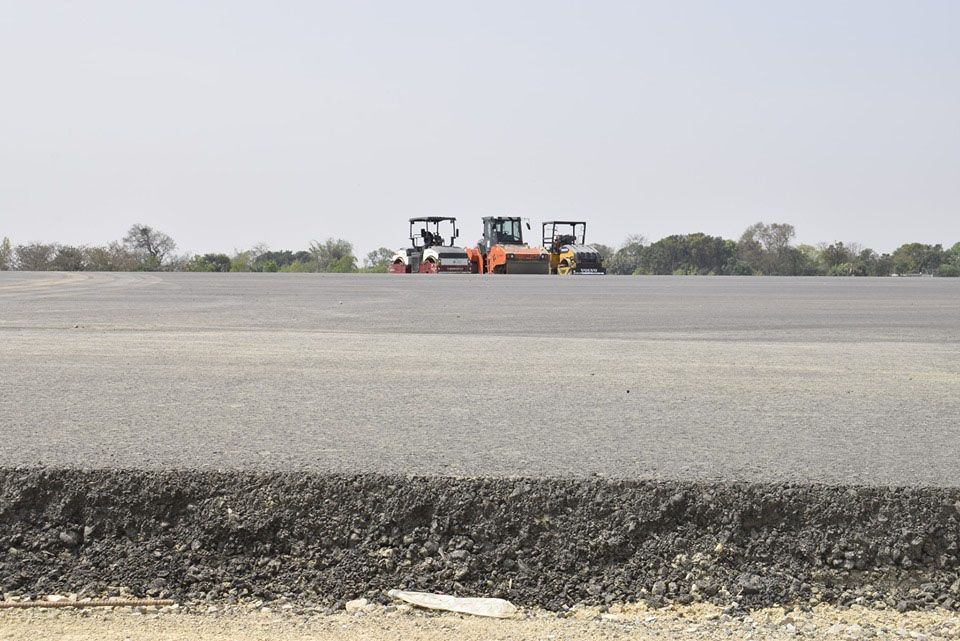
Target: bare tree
x=155 y=244
x=776 y=237
x=767 y=250
x=110 y=258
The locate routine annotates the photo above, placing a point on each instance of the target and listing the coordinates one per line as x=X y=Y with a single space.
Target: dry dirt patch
x=380 y=623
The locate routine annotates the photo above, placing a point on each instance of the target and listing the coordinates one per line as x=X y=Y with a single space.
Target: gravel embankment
x=235 y=537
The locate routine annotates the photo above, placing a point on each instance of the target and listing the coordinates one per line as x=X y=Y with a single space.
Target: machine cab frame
x=429 y=233
x=557 y=233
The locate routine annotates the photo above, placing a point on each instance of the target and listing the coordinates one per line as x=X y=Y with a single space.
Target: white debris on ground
x=476 y=606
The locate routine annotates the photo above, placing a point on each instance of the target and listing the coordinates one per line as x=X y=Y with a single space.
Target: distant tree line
x=762 y=249
x=144 y=248
x=768 y=250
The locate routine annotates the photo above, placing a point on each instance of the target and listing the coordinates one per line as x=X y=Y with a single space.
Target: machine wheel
x=500 y=269
x=564 y=267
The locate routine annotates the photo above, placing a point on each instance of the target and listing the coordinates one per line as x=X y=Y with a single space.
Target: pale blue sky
x=231 y=123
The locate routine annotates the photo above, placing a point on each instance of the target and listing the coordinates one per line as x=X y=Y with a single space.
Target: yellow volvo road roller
x=566 y=242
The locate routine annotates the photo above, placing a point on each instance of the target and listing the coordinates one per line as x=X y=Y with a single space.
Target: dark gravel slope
x=324 y=538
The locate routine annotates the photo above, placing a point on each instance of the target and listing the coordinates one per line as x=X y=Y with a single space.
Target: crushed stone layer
x=283 y=622
x=228 y=537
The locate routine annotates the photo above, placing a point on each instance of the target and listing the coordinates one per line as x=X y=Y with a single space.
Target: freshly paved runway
x=824 y=380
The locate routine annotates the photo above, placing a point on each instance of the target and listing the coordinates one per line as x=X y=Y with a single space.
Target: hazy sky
x=231 y=123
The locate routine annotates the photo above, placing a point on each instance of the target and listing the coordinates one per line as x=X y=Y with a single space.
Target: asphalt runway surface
x=755 y=379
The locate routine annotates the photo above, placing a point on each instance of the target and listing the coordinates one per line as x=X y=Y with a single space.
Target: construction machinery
x=432 y=248
x=566 y=242
x=503 y=251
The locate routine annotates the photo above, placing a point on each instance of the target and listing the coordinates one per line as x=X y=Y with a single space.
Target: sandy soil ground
x=379 y=623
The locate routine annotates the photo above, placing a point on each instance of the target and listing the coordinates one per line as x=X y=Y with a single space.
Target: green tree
x=281 y=259
x=869 y=263
x=68 y=259
x=917 y=258
x=835 y=254
x=953 y=255
x=813 y=256
x=767 y=250
x=342 y=265
x=852 y=260
x=217 y=262
x=606 y=252
x=99 y=259
x=776 y=237
x=738 y=267
x=884 y=266
x=6 y=255
x=209 y=263
x=240 y=261
x=110 y=258
x=627 y=259
x=243 y=261
x=35 y=257
x=150 y=264
x=333 y=255
x=750 y=249
x=710 y=254
x=298 y=266
x=690 y=254
x=378 y=260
